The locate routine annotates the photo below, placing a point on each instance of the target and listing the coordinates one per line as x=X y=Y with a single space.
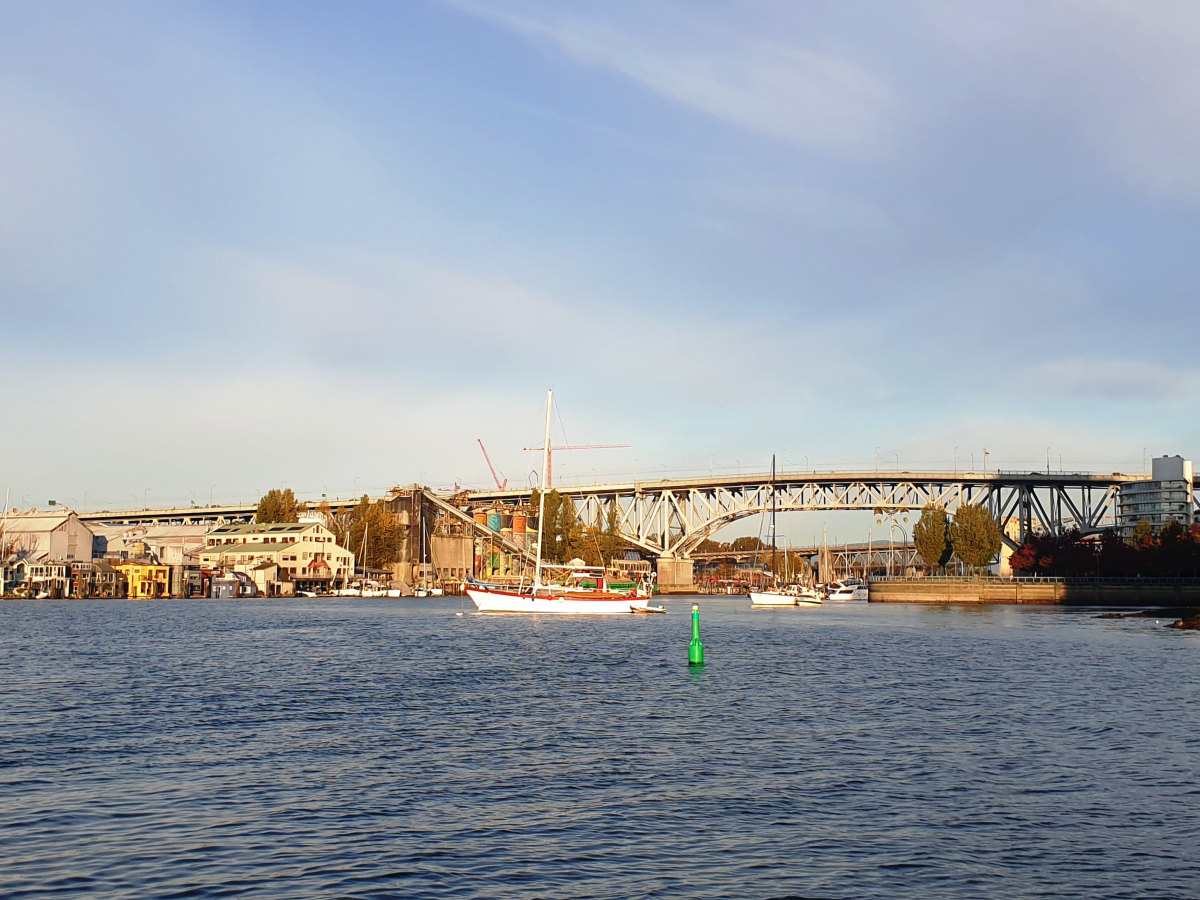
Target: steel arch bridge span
x=672 y=518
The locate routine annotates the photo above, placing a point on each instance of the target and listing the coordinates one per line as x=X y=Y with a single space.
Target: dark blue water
x=387 y=749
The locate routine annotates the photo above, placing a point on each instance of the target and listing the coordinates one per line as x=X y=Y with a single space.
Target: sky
x=329 y=246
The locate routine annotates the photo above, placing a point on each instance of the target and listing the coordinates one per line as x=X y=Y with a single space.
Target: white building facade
x=1167 y=497
x=306 y=553
x=41 y=536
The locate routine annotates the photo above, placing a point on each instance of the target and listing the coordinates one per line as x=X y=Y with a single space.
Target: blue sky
x=330 y=245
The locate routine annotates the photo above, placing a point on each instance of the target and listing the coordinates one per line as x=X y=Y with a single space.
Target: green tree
x=279 y=506
x=1143 y=534
x=602 y=542
x=572 y=536
x=377 y=524
x=932 y=536
x=611 y=543
x=551 y=522
x=975 y=535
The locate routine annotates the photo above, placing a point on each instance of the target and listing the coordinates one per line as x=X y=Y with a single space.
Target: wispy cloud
x=809 y=99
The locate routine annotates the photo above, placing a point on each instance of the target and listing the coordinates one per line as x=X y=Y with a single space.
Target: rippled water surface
x=357 y=748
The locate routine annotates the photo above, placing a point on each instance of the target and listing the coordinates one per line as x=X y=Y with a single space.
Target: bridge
x=842 y=560
x=671 y=519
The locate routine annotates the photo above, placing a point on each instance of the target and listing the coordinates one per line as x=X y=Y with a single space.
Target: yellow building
x=146 y=580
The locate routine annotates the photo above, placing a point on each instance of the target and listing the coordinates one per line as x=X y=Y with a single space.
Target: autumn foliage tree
x=1173 y=552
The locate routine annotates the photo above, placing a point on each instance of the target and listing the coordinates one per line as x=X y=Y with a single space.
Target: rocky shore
x=1189 y=616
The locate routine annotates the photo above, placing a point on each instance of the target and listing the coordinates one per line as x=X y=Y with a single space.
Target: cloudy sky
x=330 y=245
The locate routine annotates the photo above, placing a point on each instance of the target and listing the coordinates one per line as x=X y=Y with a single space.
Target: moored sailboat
x=564 y=599
x=787 y=594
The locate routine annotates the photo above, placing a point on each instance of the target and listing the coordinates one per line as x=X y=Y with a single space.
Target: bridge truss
x=673 y=518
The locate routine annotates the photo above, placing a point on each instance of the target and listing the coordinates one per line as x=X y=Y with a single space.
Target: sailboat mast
x=537 y=571
x=774 y=571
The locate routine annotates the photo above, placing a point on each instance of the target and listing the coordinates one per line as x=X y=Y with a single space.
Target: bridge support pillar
x=675 y=576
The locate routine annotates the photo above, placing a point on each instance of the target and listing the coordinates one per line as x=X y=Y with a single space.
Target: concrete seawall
x=994 y=590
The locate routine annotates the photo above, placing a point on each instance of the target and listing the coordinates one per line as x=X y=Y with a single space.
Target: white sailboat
x=788 y=594
x=549 y=599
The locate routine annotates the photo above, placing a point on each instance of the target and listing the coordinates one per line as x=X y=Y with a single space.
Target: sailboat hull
x=553 y=604
x=774 y=598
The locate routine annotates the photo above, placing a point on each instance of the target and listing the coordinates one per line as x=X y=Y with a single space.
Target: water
x=357 y=748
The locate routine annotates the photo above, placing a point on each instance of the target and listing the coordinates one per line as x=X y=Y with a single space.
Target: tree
x=572 y=536
x=1143 y=534
x=932 y=536
x=975 y=535
x=279 y=506
x=553 y=536
x=377 y=524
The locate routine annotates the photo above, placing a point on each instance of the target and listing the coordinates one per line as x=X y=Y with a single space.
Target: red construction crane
x=553 y=447
x=495 y=477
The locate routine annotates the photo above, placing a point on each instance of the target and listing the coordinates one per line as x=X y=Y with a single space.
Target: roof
x=265 y=528
x=244 y=548
x=37 y=521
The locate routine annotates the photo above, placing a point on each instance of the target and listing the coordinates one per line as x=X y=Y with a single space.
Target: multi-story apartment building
x=306 y=553
x=1166 y=497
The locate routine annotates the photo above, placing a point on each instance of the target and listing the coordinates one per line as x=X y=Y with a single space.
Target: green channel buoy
x=695 y=649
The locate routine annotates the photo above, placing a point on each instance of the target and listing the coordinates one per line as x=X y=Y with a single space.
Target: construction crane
x=553 y=447
x=495 y=477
